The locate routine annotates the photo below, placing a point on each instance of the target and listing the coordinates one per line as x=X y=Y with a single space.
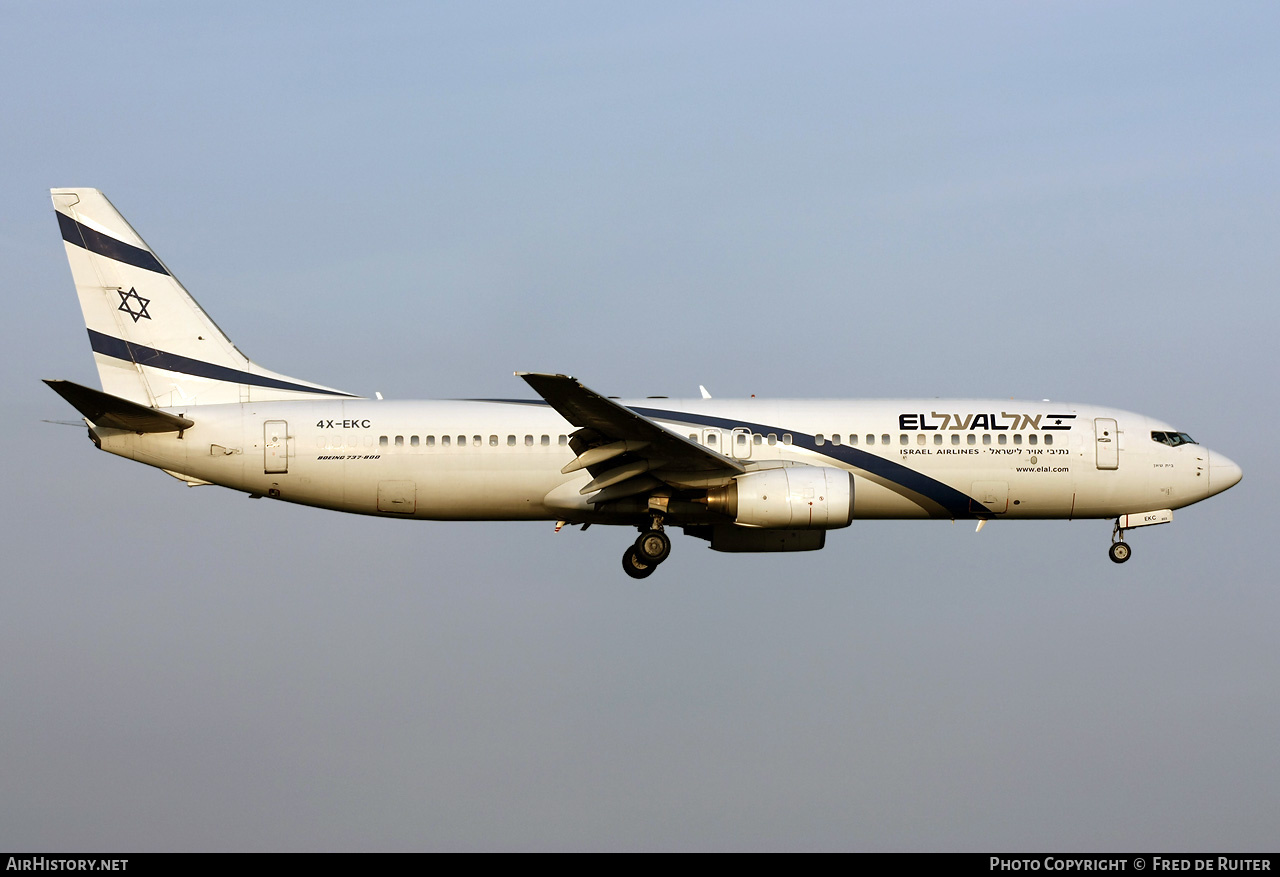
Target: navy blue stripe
x=152 y=358
x=105 y=245
x=957 y=504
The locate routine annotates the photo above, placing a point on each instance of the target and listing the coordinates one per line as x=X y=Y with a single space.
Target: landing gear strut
x=653 y=547
x=1120 y=550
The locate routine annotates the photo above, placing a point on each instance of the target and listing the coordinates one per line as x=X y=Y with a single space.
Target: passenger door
x=275 y=434
x=1106 y=442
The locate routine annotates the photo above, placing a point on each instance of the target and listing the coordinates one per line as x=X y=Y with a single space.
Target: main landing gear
x=1119 y=551
x=653 y=547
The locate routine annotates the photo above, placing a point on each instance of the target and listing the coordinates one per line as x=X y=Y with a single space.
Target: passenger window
x=462 y=441
x=1017 y=439
x=871 y=439
x=819 y=440
x=511 y=441
x=757 y=438
x=835 y=439
x=972 y=439
x=986 y=438
x=382 y=441
x=431 y=441
x=477 y=440
x=955 y=438
x=786 y=438
x=902 y=439
x=399 y=441
x=711 y=439
x=444 y=441
x=1002 y=439
x=413 y=440
x=693 y=436
x=493 y=441
x=853 y=438
x=1031 y=439
x=564 y=440
x=937 y=438
x=920 y=439
x=528 y=441
x=773 y=438
x=884 y=439
x=1048 y=440
x=546 y=441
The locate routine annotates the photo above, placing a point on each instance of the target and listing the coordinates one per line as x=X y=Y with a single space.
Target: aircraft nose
x=1222 y=473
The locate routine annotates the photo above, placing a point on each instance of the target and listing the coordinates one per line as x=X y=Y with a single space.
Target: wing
x=627 y=453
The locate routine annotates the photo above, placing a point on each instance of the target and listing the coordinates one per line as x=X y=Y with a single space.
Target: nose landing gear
x=1119 y=551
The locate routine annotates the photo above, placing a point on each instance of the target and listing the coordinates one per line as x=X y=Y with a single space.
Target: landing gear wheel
x=635 y=567
x=653 y=547
x=1119 y=552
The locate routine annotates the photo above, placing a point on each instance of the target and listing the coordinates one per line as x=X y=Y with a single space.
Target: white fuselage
x=502 y=459
x=746 y=475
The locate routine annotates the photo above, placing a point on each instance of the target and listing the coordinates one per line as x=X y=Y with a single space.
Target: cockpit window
x=1172 y=439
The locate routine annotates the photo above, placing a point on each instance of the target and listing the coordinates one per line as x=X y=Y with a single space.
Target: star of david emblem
x=134 y=305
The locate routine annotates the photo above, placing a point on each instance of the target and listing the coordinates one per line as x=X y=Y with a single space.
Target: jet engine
x=793 y=498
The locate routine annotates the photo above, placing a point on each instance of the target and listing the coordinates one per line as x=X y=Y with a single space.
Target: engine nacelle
x=794 y=498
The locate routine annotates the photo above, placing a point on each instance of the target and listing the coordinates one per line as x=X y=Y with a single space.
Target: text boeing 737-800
x=744 y=474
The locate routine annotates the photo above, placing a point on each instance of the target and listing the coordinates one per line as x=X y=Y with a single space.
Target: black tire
x=653 y=547
x=635 y=567
x=1120 y=552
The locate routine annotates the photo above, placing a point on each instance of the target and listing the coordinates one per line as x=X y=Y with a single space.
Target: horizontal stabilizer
x=103 y=409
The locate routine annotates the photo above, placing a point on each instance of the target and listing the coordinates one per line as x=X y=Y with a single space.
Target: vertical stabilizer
x=152 y=343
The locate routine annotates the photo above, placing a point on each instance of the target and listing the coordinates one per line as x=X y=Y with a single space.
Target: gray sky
x=1074 y=201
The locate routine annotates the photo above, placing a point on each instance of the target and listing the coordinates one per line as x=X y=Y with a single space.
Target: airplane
x=746 y=475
